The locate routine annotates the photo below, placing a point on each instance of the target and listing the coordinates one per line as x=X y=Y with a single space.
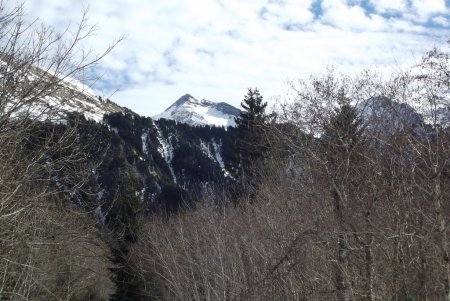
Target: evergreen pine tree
x=344 y=145
x=343 y=137
x=254 y=113
x=249 y=142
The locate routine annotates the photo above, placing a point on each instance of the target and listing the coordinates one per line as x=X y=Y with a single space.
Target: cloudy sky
x=215 y=49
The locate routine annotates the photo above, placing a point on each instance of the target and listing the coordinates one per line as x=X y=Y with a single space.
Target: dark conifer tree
x=250 y=127
x=343 y=136
x=344 y=148
x=254 y=113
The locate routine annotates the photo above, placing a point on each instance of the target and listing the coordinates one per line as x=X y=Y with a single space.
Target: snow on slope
x=212 y=150
x=166 y=151
x=48 y=96
x=195 y=112
x=144 y=137
x=74 y=96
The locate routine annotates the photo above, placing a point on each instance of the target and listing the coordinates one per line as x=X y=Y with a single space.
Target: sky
x=216 y=49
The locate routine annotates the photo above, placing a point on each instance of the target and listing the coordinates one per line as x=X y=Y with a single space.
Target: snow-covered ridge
x=52 y=96
x=78 y=85
x=196 y=112
x=75 y=96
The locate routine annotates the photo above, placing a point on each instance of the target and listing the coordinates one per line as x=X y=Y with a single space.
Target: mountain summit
x=192 y=111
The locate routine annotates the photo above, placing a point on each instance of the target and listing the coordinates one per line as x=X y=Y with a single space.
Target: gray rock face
x=385 y=116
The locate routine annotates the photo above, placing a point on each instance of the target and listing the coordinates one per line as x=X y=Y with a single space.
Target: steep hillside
x=42 y=95
x=173 y=163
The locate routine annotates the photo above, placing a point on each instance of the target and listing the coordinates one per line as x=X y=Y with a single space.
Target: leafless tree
x=351 y=206
x=50 y=250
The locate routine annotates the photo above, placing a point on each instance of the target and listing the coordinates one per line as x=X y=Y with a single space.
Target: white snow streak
x=166 y=151
x=212 y=150
x=144 y=142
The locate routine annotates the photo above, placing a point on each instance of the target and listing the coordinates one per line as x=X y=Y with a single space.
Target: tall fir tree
x=254 y=113
x=343 y=137
x=250 y=127
x=344 y=148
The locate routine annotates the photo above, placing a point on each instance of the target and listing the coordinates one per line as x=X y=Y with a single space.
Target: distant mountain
x=386 y=116
x=196 y=112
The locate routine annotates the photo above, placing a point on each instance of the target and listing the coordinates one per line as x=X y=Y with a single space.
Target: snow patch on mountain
x=206 y=150
x=195 y=112
x=144 y=137
x=212 y=150
x=166 y=151
x=78 y=85
x=217 y=147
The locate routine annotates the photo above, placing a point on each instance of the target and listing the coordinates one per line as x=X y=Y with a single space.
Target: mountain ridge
x=194 y=112
x=45 y=95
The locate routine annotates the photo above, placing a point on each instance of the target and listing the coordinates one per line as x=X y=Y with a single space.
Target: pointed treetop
x=254 y=107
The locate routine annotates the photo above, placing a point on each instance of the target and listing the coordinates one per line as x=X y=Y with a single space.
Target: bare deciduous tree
x=351 y=206
x=50 y=250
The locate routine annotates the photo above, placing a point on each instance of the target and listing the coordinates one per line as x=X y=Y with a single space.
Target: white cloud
x=350 y=17
x=427 y=8
x=288 y=12
x=441 y=21
x=216 y=49
x=384 y=6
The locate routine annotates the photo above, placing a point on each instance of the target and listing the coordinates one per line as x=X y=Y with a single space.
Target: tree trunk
x=370 y=296
x=443 y=235
x=341 y=287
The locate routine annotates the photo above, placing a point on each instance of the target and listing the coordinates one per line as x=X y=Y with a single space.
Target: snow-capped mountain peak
x=192 y=111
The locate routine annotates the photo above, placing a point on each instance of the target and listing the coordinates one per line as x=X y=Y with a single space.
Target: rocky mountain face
x=196 y=112
x=137 y=163
x=385 y=115
x=172 y=160
x=132 y=166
